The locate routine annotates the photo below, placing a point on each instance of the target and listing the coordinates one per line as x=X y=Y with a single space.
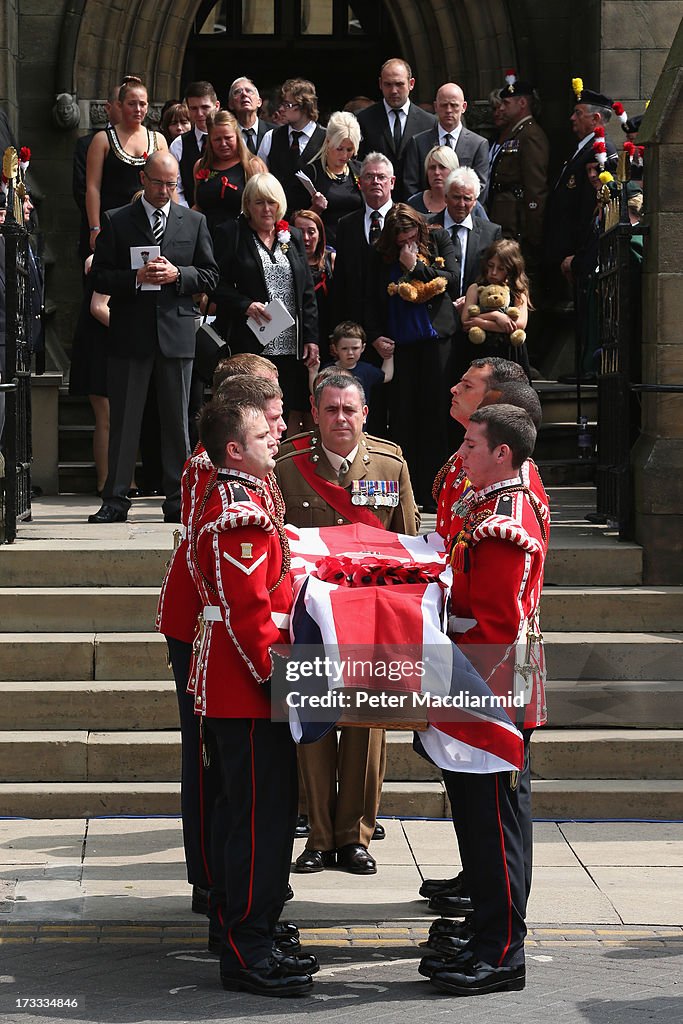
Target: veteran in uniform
x=519 y=175
x=333 y=476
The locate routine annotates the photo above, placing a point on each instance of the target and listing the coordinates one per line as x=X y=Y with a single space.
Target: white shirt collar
x=391 y=110
x=584 y=142
x=455 y=134
x=449 y=223
x=199 y=136
x=498 y=486
x=382 y=210
x=308 y=129
x=336 y=460
x=151 y=210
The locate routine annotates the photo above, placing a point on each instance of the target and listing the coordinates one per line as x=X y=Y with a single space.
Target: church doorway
x=339 y=46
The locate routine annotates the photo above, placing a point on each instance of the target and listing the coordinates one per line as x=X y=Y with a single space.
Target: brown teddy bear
x=494 y=297
x=418 y=291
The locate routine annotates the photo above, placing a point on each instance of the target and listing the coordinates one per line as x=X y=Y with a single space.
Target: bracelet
x=96 y=228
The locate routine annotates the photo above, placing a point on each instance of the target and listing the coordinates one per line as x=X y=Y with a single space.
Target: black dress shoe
x=200 y=900
x=451 y=906
x=288 y=945
x=267 y=979
x=443 y=887
x=442 y=926
x=430 y=965
x=306 y=964
x=215 y=944
x=355 y=858
x=379 y=833
x=285 y=929
x=302 y=829
x=108 y=514
x=310 y=861
x=289 y=895
x=449 y=945
x=478 y=978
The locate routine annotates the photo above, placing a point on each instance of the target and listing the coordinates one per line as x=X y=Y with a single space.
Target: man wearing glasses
x=290 y=147
x=151 y=327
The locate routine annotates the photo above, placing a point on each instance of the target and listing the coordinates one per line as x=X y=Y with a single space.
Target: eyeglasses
x=368 y=176
x=170 y=185
x=288 y=105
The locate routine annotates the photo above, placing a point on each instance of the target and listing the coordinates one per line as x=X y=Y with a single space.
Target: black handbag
x=210 y=348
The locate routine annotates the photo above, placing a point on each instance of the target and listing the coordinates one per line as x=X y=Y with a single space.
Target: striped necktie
x=158 y=226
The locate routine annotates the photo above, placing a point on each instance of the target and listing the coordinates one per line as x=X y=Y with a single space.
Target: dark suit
x=262 y=127
x=472 y=150
x=3 y=332
x=519 y=188
x=284 y=164
x=482 y=234
x=419 y=399
x=378 y=138
x=570 y=206
x=151 y=333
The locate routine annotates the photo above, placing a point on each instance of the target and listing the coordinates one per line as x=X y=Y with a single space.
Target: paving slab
x=653 y=896
x=41 y=841
x=568 y=894
x=635 y=844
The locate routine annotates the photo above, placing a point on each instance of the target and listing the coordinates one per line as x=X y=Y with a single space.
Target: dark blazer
x=347 y=301
x=472 y=150
x=284 y=165
x=242 y=282
x=482 y=235
x=441 y=312
x=142 y=320
x=377 y=137
x=570 y=205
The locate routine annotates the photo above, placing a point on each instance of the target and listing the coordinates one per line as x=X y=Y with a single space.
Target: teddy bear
x=494 y=297
x=418 y=291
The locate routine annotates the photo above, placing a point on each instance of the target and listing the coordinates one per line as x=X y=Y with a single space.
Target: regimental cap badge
x=246 y=553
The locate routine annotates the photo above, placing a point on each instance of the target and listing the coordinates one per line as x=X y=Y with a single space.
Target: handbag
x=210 y=348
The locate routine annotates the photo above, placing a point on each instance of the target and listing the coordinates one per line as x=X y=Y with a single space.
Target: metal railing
x=15 y=486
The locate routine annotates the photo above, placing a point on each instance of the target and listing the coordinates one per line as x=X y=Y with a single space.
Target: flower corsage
x=283 y=235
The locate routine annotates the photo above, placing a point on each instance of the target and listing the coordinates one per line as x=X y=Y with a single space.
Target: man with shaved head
x=472 y=150
x=151 y=329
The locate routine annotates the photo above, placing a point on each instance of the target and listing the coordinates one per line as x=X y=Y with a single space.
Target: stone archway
x=471 y=42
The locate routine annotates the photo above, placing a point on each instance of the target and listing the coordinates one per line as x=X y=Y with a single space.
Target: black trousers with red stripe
x=257 y=760
x=489 y=823
x=200 y=782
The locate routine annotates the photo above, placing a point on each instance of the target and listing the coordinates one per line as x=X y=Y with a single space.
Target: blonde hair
x=264 y=186
x=442 y=155
x=341 y=125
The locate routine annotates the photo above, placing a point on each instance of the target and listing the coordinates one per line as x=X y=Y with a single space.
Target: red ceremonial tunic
x=246 y=598
x=495 y=596
x=179 y=605
x=452 y=484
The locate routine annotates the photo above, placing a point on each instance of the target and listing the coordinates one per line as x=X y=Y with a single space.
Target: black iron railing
x=15 y=486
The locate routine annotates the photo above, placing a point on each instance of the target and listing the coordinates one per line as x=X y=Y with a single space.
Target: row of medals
x=374 y=493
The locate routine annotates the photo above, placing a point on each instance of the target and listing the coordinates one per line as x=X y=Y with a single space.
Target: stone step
x=111 y=705
x=143 y=756
x=125 y=609
x=102 y=656
x=652 y=799
x=579 y=555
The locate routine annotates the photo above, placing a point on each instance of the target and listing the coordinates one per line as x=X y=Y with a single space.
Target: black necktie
x=202 y=144
x=456 y=242
x=249 y=139
x=294 y=144
x=448 y=139
x=397 y=131
x=158 y=226
x=375 y=227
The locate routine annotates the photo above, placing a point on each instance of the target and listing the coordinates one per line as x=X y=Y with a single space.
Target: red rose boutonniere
x=202 y=174
x=283 y=235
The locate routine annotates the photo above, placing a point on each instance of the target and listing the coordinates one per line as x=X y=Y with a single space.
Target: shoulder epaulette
x=238 y=514
x=505 y=528
x=381 y=440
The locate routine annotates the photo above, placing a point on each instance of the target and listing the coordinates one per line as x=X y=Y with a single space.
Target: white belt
x=213 y=613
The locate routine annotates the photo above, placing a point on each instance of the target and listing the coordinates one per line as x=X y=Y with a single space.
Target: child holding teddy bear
x=497 y=306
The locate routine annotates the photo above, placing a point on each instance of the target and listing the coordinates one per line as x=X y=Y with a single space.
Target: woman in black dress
x=334 y=172
x=117 y=155
x=321 y=263
x=223 y=170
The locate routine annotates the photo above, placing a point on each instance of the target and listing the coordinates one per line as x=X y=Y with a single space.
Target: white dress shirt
x=176 y=148
x=304 y=139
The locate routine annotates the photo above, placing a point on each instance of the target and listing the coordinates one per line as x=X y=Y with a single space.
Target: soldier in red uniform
x=241 y=563
x=177 y=617
x=486 y=382
x=498 y=559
